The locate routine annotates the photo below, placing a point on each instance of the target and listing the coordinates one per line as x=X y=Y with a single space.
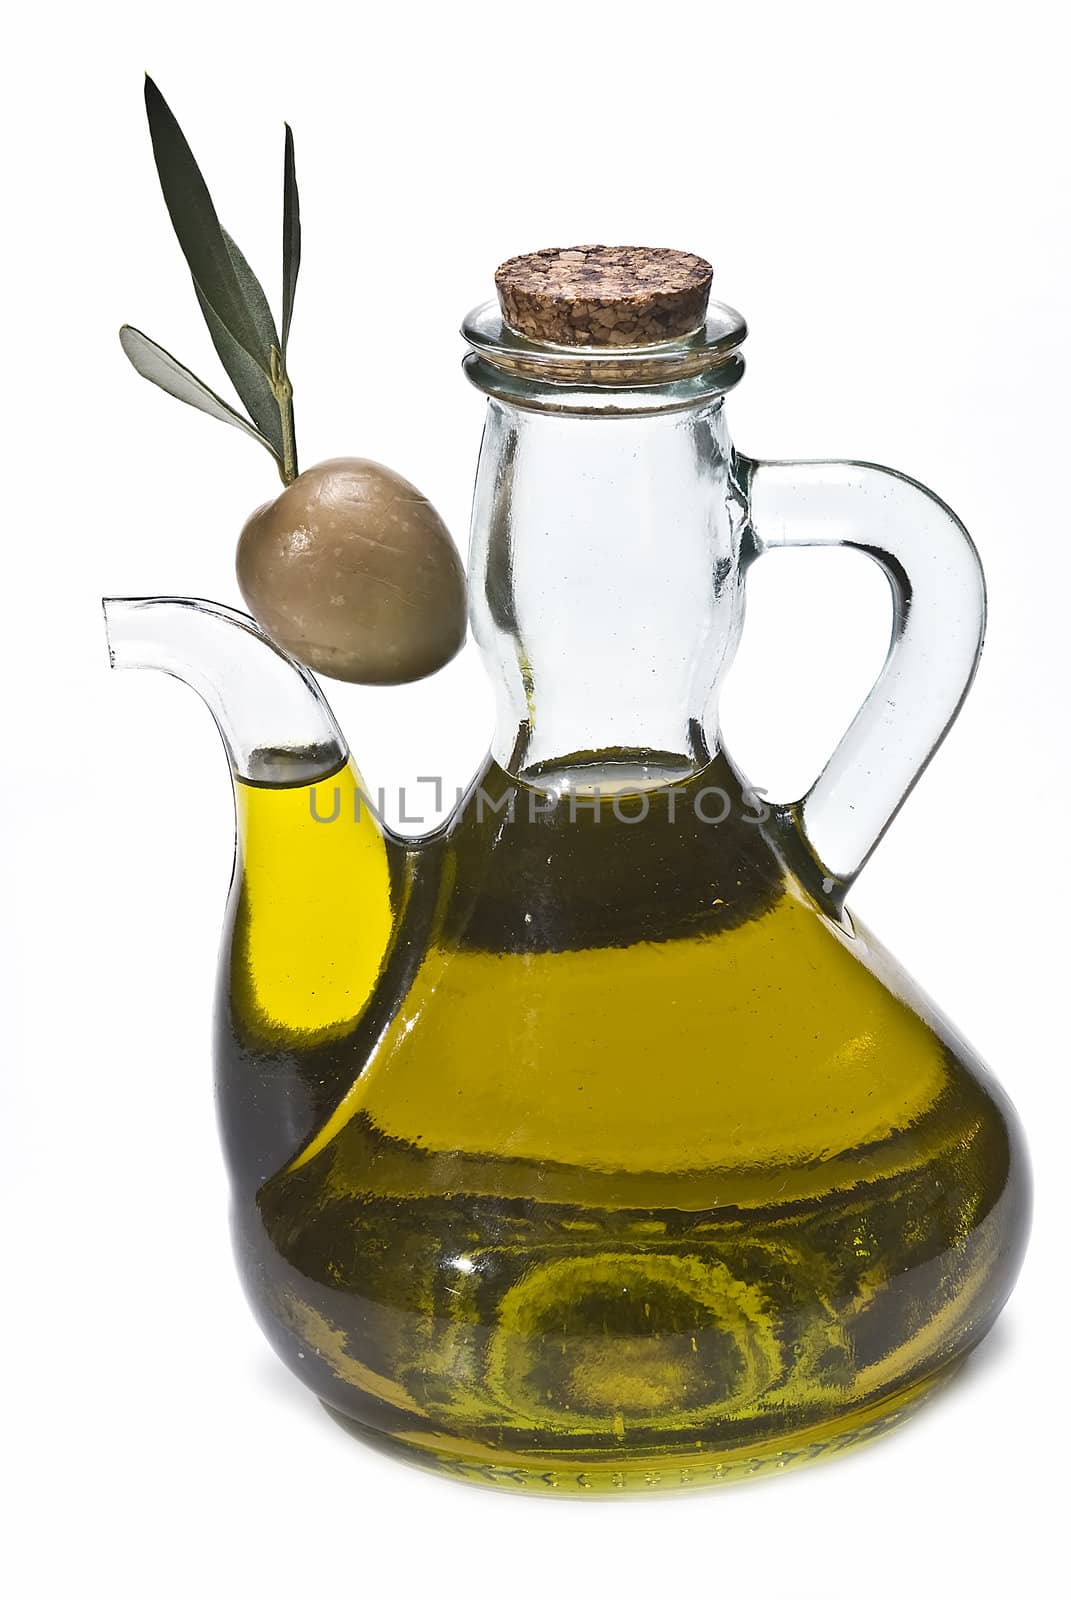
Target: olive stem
x=284 y=399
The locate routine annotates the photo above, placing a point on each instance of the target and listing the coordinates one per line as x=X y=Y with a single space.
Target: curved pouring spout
x=275 y=723
x=319 y=884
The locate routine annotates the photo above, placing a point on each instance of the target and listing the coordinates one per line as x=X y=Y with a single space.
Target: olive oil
x=305 y=961
x=580 y=1147
x=587 y=1145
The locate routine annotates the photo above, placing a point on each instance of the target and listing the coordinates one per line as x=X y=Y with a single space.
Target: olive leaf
x=252 y=384
x=198 y=230
x=156 y=364
x=291 y=234
x=229 y=294
x=255 y=298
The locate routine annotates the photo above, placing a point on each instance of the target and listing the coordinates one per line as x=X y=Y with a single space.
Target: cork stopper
x=604 y=295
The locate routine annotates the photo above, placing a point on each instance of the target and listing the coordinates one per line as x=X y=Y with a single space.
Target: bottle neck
x=605 y=587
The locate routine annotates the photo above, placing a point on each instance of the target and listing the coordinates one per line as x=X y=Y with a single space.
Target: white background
x=883 y=191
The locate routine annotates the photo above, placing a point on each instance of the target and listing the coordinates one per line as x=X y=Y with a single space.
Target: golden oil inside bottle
x=605 y=1152
x=315 y=913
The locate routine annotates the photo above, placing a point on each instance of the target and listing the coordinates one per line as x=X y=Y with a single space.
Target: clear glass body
x=589 y=1145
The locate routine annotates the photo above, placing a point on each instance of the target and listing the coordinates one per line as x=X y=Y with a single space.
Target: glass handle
x=938 y=593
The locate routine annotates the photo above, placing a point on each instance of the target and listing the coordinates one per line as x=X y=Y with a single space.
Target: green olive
x=354 y=573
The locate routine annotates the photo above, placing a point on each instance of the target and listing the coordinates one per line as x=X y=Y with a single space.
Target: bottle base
x=573 y=1473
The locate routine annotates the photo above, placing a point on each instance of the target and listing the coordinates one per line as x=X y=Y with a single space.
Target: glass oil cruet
x=588 y=1143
